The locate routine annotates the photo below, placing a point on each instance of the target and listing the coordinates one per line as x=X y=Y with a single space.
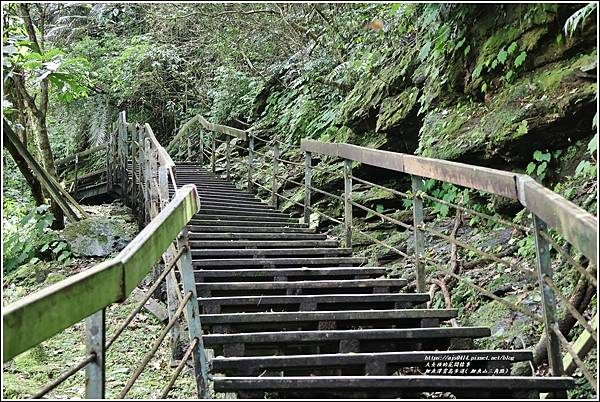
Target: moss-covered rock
x=517 y=120
x=396 y=108
x=97 y=236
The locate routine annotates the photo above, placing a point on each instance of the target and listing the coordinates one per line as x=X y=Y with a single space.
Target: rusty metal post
x=108 y=163
x=147 y=179
x=134 y=163
x=123 y=154
x=227 y=162
x=307 y=185
x=95 y=333
x=189 y=145
x=419 y=240
x=250 y=160
x=76 y=169
x=213 y=156
x=171 y=283
x=275 y=172
x=348 y=202
x=544 y=268
x=201 y=147
x=193 y=316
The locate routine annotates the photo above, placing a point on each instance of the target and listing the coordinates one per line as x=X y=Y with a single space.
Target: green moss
x=502 y=323
x=394 y=109
x=540 y=97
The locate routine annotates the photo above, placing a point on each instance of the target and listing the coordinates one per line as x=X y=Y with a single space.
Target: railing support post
x=227 y=162
x=147 y=179
x=193 y=316
x=95 y=333
x=275 y=172
x=109 y=185
x=189 y=145
x=213 y=156
x=348 y=201
x=76 y=169
x=307 y=185
x=544 y=268
x=141 y=176
x=171 y=283
x=123 y=154
x=419 y=240
x=201 y=147
x=250 y=159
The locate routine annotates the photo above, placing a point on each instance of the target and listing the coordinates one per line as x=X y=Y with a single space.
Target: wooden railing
x=552 y=217
x=141 y=174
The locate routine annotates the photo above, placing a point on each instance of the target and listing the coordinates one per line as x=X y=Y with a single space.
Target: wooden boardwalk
x=291 y=314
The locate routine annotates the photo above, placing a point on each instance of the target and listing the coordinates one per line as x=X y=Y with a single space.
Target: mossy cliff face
x=490 y=92
x=548 y=108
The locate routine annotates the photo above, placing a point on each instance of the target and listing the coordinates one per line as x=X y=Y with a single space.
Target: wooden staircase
x=291 y=314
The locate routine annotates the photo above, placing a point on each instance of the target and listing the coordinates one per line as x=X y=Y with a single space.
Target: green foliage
x=579 y=18
x=588 y=168
x=233 y=95
x=70 y=76
x=21 y=237
x=539 y=166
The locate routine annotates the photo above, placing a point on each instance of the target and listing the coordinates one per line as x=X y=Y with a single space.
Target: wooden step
x=382 y=363
x=204 y=216
x=248 y=229
x=267 y=252
x=259 y=244
x=252 y=223
x=287 y=273
x=279 y=262
x=291 y=236
x=313 y=320
x=300 y=287
x=402 y=386
x=215 y=305
x=215 y=192
x=340 y=341
x=229 y=199
x=262 y=208
x=240 y=212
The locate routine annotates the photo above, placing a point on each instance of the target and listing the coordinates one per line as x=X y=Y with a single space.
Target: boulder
x=97 y=236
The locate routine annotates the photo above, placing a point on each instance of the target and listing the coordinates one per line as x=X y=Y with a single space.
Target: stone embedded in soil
x=97 y=236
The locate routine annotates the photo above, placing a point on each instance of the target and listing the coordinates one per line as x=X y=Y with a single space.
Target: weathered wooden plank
x=275 y=262
x=575 y=224
x=147 y=247
x=582 y=345
x=286 y=272
x=481 y=178
x=346 y=283
x=38 y=316
x=360 y=334
x=325 y=299
x=229 y=252
x=231 y=131
x=415 y=382
x=215 y=228
x=229 y=364
x=154 y=307
x=295 y=316
x=82 y=154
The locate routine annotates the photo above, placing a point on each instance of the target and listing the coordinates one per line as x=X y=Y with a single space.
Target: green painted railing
x=142 y=169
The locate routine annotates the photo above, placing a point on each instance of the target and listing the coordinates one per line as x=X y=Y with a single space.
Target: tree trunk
x=39 y=111
x=32 y=181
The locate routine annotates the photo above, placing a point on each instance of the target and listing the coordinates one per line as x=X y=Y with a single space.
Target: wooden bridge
x=289 y=312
